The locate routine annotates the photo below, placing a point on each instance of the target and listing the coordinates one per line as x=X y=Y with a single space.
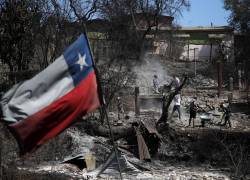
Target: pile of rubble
x=65 y=157
x=200 y=81
x=51 y=161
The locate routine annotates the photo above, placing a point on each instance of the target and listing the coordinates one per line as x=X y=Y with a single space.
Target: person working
x=177 y=106
x=226 y=115
x=120 y=107
x=156 y=84
x=192 y=112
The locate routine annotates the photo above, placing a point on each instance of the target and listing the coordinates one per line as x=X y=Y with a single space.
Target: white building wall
x=202 y=52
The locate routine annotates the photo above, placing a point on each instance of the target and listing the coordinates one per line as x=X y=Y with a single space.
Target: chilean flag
x=40 y=108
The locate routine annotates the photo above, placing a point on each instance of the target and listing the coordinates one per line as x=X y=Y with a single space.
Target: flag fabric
x=40 y=108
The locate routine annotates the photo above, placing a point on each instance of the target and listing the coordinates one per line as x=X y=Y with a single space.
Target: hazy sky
x=203 y=12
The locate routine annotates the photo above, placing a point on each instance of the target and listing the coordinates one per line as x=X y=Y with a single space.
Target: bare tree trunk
x=167 y=102
x=94 y=128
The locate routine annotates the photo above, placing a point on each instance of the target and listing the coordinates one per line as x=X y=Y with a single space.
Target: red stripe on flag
x=53 y=119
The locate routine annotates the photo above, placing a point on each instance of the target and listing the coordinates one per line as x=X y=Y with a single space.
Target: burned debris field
x=119 y=90
x=147 y=149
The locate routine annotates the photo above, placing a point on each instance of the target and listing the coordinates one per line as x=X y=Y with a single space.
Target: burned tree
x=61 y=22
x=167 y=101
x=131 y=21
x=18 y=19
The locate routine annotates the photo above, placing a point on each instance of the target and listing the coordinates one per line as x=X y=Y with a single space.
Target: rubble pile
x=47 y=160
x=199 y=81
x=177 y=157
x=181 y=153
x=50 y=167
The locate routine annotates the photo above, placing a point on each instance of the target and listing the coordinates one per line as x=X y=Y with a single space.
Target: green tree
x=240 y=20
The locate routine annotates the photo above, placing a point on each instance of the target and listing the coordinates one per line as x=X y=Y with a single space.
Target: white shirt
x=177 y=100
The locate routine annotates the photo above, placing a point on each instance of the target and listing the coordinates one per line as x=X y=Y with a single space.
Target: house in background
x=174 y=43
x=195 y=43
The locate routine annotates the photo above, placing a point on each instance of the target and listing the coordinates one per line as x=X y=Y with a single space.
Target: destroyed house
x=180 y=43
x=194 y=43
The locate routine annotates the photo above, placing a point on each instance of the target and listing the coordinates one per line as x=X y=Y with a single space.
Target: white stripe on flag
x=52 y=83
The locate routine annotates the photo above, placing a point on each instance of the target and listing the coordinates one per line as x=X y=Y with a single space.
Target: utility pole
x=137 y=105
x=219 y=71
x=211 y=51
x=194 y=49
x=1 y=147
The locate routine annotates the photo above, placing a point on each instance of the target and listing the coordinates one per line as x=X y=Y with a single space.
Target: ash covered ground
x=210 y=152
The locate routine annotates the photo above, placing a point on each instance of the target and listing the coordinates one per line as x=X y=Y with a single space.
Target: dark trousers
x=178 y=109
x=192 y=117
x=227 y=120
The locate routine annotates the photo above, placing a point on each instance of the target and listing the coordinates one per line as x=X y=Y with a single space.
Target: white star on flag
x=82 y=61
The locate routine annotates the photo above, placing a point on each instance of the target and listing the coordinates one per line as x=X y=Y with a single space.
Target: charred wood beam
x=93 y=127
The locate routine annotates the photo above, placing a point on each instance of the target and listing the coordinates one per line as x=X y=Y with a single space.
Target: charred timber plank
x=150 y=125
x=119 y=132
x=94 y=128
x=142 y=146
